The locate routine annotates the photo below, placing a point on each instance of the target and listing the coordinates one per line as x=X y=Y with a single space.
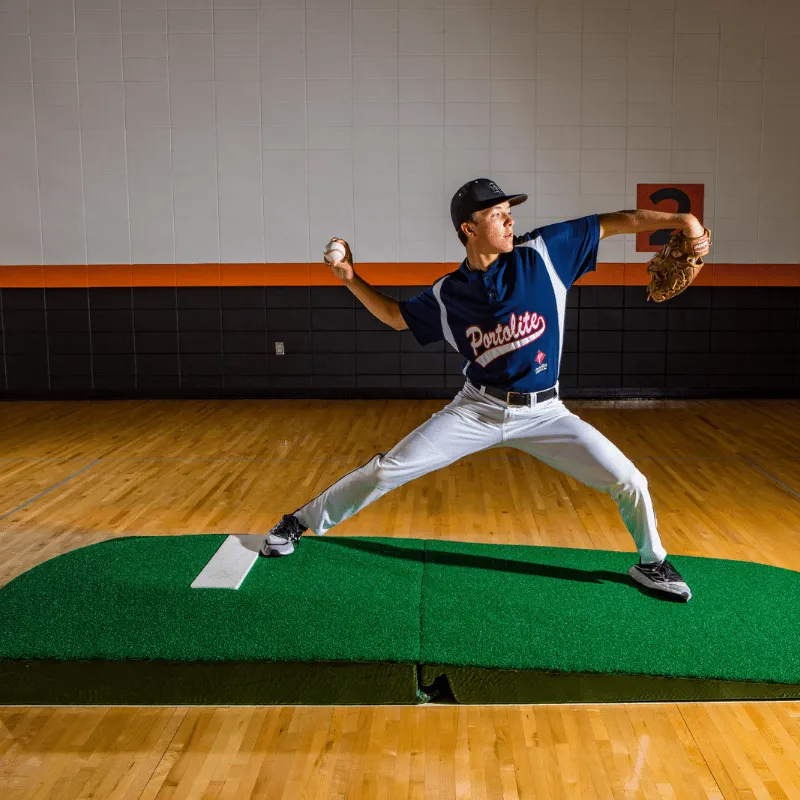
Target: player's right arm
x=381 y=306
x=385 y=308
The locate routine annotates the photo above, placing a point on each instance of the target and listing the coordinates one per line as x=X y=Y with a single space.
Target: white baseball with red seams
x=334 y=251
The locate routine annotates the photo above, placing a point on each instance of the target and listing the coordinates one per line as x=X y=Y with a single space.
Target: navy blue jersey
x=508 y=322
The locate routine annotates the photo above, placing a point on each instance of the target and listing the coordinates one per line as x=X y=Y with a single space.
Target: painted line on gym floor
x=685 y=458
x=330 y=459
x=47 y=491
x=773 y=478
x=344 y=459
x=40 y=459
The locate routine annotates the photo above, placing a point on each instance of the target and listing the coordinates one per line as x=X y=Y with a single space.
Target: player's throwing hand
x=342 y=268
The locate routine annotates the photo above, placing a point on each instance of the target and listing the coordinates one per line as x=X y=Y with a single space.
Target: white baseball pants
x=473 y=422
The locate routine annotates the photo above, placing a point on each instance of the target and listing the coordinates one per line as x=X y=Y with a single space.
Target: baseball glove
x=675 y=266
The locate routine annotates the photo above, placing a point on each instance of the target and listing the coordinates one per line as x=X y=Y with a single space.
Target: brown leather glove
x=675 y=266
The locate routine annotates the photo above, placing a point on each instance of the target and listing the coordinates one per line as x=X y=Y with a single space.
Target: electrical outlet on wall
x=279 y=351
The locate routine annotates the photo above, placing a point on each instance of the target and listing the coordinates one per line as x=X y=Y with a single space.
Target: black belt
x=517 y=398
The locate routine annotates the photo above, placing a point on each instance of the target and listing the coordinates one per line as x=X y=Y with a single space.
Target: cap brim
x=511 y=199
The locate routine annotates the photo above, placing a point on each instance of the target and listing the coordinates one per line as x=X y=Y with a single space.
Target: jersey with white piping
x=508 y=322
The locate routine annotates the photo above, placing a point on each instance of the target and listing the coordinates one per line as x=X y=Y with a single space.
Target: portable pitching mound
x=349 y=620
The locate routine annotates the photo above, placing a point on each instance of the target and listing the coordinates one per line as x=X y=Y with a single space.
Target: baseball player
x=503 y=310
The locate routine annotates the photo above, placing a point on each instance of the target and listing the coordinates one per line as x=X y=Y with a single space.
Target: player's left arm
x=642 y=219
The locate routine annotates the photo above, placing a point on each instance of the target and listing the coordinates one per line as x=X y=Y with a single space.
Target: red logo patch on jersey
x=540 y=356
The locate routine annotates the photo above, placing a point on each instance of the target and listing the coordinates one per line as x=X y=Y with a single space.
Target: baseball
x=334 y=252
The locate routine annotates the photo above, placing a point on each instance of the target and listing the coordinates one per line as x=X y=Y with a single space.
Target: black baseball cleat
x=284 y=537
x=662 y=577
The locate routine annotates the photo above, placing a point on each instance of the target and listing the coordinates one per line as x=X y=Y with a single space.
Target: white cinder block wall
x=160 y=131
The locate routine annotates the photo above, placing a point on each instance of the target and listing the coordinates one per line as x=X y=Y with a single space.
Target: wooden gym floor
x=725 y=479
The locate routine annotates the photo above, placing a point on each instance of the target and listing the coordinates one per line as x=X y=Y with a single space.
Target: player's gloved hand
x=343 y=269
x=676 y=265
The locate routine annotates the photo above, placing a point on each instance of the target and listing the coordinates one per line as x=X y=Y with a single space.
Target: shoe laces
x=293 y=529
x=670 y=572
x=663 y=569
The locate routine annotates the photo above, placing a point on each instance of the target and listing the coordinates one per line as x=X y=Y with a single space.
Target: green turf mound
x=547 y=608
x=117 y=623
x=540 y=624
x=376 y=620
x=131 y=599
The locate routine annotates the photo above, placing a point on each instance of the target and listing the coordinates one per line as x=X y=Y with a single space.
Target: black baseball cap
x=477 y=195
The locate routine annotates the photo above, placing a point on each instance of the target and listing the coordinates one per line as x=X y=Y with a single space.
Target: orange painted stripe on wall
x=379 y=274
